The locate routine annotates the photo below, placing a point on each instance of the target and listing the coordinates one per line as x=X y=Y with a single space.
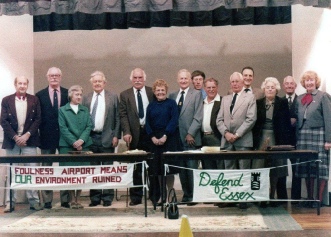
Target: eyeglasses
x=54 y=75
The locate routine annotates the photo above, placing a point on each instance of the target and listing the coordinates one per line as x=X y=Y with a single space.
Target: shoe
x=93 y=204
x=243 y=205
x=48 y=205
x=79 y=206
x=263 y=204
x=36 y=207
x=106 y=204
x=134 y=203
x=225 y=204
x=73 y=205
x=65 y=205
x=191 y=204
x=8 y=209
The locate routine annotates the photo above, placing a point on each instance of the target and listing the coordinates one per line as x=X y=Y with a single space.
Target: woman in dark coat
x=272 y=127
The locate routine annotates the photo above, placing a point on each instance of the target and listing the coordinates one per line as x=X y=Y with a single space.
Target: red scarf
x=307 y=99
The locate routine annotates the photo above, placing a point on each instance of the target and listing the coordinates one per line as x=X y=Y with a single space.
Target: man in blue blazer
x=189 y=124
x=106 y=129
x=51 y=99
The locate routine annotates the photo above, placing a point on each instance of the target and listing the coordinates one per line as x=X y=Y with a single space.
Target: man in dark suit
x=235 y=122
x=189 y=124
x=104 y=110
x=51 y=99
x=20 y=120
x=210 y=134
x=133 y=105
x=289 y=86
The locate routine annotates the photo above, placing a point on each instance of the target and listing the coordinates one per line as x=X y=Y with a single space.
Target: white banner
x=231 y=185
x=72 y=177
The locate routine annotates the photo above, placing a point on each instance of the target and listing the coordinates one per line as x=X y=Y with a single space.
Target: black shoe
x=243 y=205
x=93 y=204
x=192 y=204
x=263 y=204
x=65 y=205
x=134 y=203
x=48 y=205
x=106 y=204
x=225 y=204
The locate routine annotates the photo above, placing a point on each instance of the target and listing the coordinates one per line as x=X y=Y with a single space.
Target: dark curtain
x=218 y=17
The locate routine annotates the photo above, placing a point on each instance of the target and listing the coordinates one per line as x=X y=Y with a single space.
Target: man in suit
x=210 y=134
x=289 y=86
x=51 y=99
x=20 y=120
x=235 y=122
x=190 y=105
x=133 y=105
x=198 y=78
x=248 y=77
x=104 y=110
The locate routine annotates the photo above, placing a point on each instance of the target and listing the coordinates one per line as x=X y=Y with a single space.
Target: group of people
x=247 y=118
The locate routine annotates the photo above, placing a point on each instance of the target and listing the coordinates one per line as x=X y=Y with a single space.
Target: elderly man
x=51 y=99
x=133 y=105
x=20 y=120
x=104 y=110
x=235 y=122
x=289 y=86
x=210 y=134
x=248 y=77
x=190 y=107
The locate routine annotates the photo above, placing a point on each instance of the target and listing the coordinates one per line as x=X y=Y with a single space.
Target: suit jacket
x=241 y=121
x=280 y=119
x=318 y=112
x=74 y=126
x=9 y=121
x=129 y=114
x=213 y=117
x=49 y=127
x=111 y=127
x=191 y=115
x=259 y=94
x=293 y=141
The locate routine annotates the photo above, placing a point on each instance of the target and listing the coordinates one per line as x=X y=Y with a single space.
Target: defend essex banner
x=231 y=185
x=72 y=177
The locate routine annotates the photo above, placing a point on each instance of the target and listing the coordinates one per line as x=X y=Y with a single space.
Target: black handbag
x=172 y=210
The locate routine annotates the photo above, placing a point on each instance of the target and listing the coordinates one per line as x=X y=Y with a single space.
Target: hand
x=327 y=146
x=78 y=143
x=230 y=137
x=155 y=141
x=79 y=148
x=127 y=138
x=190 y=140
x=293 y=122
x=115 y=142
x=21 y=140
x=162 y=140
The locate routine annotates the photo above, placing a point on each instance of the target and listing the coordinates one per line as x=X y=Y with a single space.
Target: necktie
x=247 y=90
x=140 y=105
x=55 y=100
x=233 y=102
x=94 y=110
x=181 y=101
x=289 y=101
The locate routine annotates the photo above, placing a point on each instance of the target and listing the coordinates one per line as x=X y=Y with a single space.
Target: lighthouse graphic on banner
x=255 y=181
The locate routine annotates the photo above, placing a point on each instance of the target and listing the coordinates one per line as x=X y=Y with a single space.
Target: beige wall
x=218 y=51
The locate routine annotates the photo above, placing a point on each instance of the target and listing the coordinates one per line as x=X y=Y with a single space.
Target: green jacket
x=74 y=126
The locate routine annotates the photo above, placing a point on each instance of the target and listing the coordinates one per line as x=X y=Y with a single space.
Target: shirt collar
x=18 y=95
x=51 y=89
x=217 y=98
x=102 y=93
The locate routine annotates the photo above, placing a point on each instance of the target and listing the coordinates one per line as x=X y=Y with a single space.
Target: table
x=228 y=155
x=134 y=157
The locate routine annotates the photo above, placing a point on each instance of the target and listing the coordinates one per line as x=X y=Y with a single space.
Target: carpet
x=201 y=217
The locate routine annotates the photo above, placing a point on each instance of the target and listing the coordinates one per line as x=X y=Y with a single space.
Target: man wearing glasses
x=51 y=99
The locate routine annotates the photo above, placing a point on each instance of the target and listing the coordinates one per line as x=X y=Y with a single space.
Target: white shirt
x=21 y=109
x=101 y=109
x=145 y=103
x=207 y=108
x=74 y=108
x=180 y=94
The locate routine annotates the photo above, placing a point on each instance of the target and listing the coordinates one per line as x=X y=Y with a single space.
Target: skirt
x=313 y=139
